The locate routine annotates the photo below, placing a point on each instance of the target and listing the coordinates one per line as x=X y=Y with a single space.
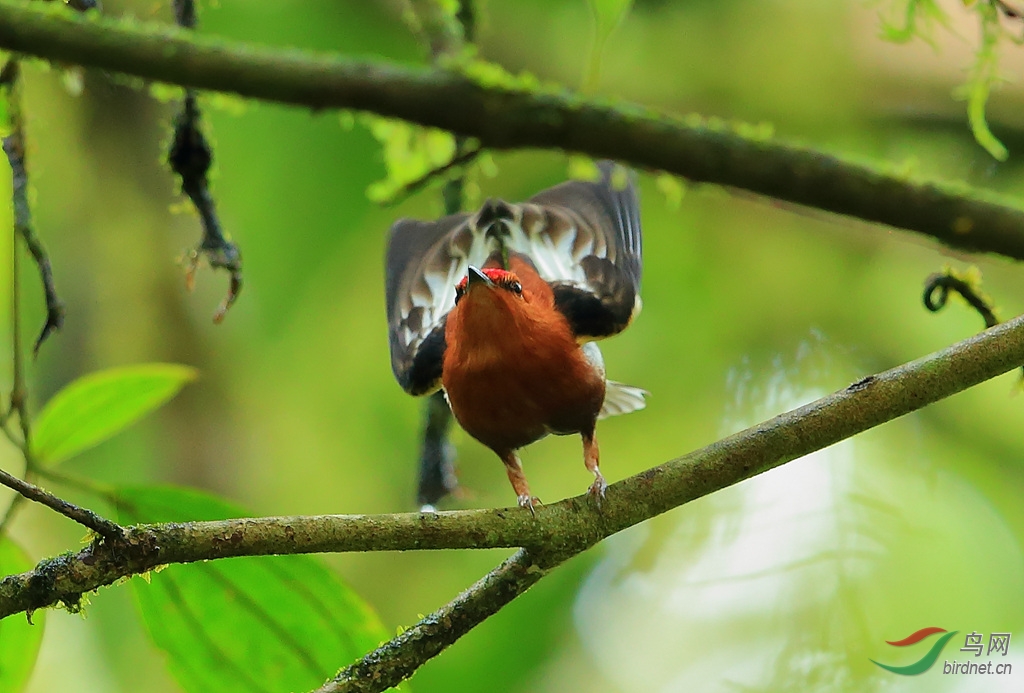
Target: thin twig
x=83 y=516
x=14 y=148
x=190 y=157
x=503 y=116
x=91 y=486
x=13 y=145
x=462 y=157
x=19 y=390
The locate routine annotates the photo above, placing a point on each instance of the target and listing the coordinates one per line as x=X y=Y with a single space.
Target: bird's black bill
x=478 y=277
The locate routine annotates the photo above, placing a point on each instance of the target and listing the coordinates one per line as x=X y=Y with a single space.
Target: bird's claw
x=527 y=501
x=597 y=490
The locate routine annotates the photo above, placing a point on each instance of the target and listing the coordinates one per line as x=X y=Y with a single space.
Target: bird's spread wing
x=421 y=269
x=582 y=237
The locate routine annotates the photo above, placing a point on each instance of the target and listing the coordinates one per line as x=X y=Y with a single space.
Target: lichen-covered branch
x=397 y=659
x=562 y=528
x=511 y=116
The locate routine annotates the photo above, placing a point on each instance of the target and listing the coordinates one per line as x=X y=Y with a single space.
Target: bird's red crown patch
x=495 y=274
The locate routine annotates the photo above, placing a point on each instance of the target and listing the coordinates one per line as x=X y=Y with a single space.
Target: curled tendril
x=936 y=292
x=938 y=286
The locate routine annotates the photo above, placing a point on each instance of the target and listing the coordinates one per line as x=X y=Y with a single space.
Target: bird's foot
x=527 y=501
x=597 y=490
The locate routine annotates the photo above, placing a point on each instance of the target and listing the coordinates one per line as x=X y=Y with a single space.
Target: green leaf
x=269 y=623
x=99 y=405
x=984 y=76
x=19 y=640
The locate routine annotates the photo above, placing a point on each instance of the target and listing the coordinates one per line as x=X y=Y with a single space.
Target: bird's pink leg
x=591 y=458
x=514 y=468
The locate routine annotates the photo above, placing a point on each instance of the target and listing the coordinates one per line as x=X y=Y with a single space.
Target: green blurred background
x=788 y=582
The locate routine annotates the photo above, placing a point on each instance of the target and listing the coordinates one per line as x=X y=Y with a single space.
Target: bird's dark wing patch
x=420 y=276
x=585 y=239
x=604 y=307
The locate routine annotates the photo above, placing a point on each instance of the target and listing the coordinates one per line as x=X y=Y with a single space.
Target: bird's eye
x=516 y=288
x=460 y=291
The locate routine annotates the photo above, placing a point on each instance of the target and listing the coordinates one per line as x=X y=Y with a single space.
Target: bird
x=501 y=310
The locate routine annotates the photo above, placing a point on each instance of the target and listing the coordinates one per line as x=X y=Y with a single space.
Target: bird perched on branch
x=501 y=309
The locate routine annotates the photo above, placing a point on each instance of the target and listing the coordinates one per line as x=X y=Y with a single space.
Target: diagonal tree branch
x=562 y=529
x=512 y=116
x=397 y=659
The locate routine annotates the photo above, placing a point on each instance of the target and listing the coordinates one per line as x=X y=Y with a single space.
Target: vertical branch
x=14 y=148
x=445 y=37
x=190 y=157
x=437 y=455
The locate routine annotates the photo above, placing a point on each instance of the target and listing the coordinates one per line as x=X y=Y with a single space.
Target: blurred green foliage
x=296 y=410
x=275 y=623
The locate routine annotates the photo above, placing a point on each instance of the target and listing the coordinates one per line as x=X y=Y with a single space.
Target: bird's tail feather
x=621 y=399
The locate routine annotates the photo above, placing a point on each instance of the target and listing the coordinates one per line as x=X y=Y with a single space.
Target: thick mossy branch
x=561 y=529
x=504 y=117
